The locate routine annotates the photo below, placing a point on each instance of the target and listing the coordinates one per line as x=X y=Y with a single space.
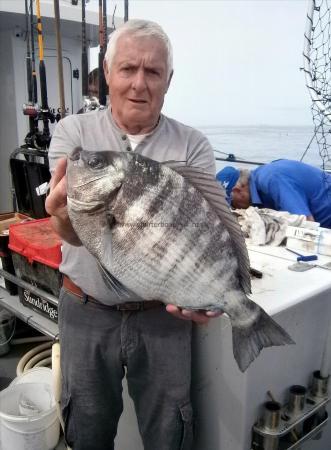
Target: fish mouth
x=91 y=207
x=86 y=183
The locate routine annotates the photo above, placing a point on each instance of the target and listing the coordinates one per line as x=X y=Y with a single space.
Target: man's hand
x=200 y=317
x=56 y=204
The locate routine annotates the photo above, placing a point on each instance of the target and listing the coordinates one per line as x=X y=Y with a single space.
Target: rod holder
x=271 y=416
x=296 y=401
x=295 y=407
x=270 y=422
x=319 y=386
x=318 y=391
x=302 y=418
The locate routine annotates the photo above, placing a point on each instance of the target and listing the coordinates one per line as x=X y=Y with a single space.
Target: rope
x=317 y=69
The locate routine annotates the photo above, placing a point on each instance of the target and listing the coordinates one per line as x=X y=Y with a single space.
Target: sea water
x=264 y=143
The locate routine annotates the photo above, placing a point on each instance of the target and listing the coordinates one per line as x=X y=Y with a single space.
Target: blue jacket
x=286 y=185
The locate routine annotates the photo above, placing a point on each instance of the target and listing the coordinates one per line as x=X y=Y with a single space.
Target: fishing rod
x=84 y=54
x=33 y=59
x=29 y=108
x=59 y=57
x=44 y=138
x=89 y=103
x=28 y=54
x=102 y=50
x=113 y=19
x=104 y=24
x=126 y=10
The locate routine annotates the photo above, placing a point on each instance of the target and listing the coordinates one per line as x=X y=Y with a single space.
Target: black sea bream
x=165 y=232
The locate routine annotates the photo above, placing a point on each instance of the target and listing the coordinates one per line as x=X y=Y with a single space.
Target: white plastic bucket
x=28 y=419
x=35 y=375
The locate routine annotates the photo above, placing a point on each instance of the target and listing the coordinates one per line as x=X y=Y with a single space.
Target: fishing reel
x=35 y=138
x=38 y=140
x=31 y=110
x=35 y=111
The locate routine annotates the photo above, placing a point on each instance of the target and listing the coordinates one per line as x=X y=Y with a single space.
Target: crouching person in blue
x=100 y=339
x=283 y=185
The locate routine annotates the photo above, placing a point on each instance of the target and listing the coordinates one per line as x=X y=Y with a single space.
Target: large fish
x=165 y=232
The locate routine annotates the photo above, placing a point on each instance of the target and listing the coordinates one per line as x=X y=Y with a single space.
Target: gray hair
x=139 y=28
x=243 y=179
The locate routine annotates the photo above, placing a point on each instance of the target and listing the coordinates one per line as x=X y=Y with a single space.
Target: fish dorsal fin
x=214 y=193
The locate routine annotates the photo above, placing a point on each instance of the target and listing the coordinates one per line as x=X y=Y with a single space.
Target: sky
x=236 y=62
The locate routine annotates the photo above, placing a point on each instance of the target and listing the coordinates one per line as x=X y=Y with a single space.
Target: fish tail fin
x=249 y=341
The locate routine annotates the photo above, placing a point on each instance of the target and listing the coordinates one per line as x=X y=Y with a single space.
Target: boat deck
x=228 y=402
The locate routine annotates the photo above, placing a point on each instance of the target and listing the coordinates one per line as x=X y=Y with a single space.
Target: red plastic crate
x=7 y=219
x=36 y=253
x=36 y=241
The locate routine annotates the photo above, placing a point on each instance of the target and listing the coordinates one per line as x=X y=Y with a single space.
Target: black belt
x=71 y=287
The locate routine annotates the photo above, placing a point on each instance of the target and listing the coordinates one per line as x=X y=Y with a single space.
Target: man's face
x=137 y=83
x=240 y=197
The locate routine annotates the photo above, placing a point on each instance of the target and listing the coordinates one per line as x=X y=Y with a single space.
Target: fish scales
x=154 y=236
x=181 y=249
x=167 y=233
x=158 y=234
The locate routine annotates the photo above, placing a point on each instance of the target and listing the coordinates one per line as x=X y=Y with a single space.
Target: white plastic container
x=309 y=240
x=28 y=419
x=35 y=375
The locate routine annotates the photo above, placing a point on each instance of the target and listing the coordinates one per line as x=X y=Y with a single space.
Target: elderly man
x=99 y=341
x=283 y=185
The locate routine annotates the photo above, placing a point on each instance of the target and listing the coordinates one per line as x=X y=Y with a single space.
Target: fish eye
x=96 y=162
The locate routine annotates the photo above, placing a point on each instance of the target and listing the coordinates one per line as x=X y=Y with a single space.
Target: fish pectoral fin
x=116 y=286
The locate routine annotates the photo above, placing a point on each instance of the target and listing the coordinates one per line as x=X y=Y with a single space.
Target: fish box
x=309 y=240
x=36 y=253
x=7 y=219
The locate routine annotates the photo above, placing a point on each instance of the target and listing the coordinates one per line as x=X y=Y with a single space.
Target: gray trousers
x=97 y=344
